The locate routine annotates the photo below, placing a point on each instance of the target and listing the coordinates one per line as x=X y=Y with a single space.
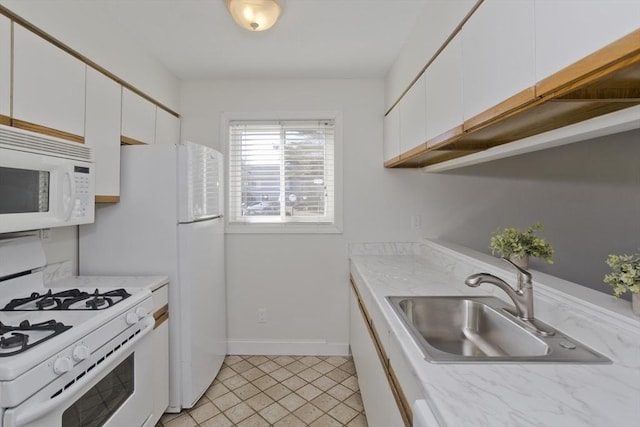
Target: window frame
x=285 y=227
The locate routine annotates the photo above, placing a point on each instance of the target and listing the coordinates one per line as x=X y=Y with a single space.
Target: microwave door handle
x=68 y=197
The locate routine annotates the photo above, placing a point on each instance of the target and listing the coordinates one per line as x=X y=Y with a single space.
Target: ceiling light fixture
x=254 y=15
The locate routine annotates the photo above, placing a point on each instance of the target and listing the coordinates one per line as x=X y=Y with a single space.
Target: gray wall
x=587 y=195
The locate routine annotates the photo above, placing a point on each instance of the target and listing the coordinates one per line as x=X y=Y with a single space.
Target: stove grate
x=22 y=340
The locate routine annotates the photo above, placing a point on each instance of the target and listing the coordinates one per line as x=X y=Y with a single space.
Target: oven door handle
x=32 y=413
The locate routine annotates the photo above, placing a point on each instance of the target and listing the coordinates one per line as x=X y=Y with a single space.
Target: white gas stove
x=73 y=352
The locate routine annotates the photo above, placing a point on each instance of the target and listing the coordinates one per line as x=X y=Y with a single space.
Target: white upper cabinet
x=498 y=53
x=5 y=66
x=102 y=131
x=436 y=23
x=167 y=128
x=48 y=84
x=444 y=90
x=138 y=118
x=569 y=30
x=391 y=142
x=413 y=116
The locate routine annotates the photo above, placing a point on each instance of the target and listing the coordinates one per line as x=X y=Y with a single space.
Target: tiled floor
x=281 y=391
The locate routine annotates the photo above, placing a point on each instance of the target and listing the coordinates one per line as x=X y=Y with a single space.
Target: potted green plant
x=625 y=277
x=518 y=245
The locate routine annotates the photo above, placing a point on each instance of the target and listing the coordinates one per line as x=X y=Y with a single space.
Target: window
x=282 y=172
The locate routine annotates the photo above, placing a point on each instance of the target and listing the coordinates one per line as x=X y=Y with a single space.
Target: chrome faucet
x=522 y=296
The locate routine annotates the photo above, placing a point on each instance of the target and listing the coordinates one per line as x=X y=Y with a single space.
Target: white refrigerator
x=169 y=222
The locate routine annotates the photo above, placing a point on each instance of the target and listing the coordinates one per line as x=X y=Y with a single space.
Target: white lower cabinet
x=379 y=403
x=161 y=353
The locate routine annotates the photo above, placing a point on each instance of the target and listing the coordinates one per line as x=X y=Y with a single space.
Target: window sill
x=291 y=228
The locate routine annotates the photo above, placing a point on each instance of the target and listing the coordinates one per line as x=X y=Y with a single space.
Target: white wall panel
x=302 y=279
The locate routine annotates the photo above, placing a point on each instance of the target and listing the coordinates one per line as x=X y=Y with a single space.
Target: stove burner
x=67 y=300
x=97 y=301
x=16 y=340
x=20 y=340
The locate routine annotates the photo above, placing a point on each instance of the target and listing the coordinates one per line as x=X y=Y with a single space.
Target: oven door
x=113 y=388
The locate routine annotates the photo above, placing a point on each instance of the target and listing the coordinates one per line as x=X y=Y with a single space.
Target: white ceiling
x=196 y=39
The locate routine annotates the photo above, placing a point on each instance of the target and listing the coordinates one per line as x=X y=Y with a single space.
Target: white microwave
x=44 y=181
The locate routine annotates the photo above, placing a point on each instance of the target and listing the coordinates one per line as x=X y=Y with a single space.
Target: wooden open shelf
x=604 y=82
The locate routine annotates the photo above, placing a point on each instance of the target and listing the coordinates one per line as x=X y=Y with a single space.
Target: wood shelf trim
x=606 y=60
x=107 y=199
x=21 y=124
x=161 y=311
x=603 y=82
x=401 y=399
x=446 y=137
x=510 y=105
x=125 y=140
x=392 y=162
x=29 y=26
x=161 y=315
x=5 y=120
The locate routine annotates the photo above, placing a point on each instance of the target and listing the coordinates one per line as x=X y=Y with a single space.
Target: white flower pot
x=635 y=303
x=520 y=261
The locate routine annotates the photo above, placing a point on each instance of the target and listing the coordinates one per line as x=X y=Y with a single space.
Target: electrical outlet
x=416 y=222
x=45 y=234
x=262 y=315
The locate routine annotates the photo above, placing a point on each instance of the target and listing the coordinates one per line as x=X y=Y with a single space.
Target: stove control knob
x=80 y=353
x=142 y=312
x=132 y=318
x=62 y=365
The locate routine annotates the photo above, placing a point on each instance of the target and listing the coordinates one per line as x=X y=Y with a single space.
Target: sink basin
x=480 y=329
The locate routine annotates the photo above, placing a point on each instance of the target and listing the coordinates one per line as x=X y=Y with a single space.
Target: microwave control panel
x=83 y=203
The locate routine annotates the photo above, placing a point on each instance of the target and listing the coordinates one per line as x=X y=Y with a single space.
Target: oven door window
x=23 y=191
x=97 y=405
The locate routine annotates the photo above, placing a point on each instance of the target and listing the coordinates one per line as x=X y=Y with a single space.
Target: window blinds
x=281 y=171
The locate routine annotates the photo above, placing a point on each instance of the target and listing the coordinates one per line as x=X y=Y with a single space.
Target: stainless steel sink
x=480 y=329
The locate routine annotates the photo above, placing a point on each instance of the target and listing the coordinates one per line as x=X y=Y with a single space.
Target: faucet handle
x=523 y=275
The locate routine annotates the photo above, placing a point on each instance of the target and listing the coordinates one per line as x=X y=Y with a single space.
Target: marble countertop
x=492 y=395
x=59 y=275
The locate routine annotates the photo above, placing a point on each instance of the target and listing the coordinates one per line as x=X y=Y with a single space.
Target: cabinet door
x=102 y=130
x=167 y=128
x=444 y=90
x=497 y=54
x=138 y=119
x=568 y=30
x=377 y=397
x=5 y=69
x=413 y=117
x=391 y=143
x=48 y=85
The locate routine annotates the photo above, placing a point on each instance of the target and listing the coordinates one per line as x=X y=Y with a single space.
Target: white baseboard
x=287 y=348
